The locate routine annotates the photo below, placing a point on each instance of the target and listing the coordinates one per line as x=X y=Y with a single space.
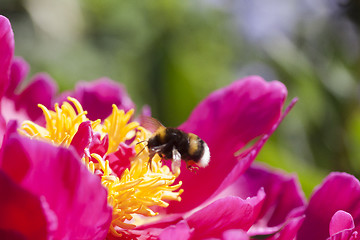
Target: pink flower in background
x=98 y=97
x=16 y=104
x=13 y=71
x=48 y=192
x=333 y=211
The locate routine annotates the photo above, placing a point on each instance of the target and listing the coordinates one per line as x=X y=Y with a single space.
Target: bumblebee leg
x=151 y=155
x=154 y=150
x=193 y=169
x=191 y=166
x=140 y=152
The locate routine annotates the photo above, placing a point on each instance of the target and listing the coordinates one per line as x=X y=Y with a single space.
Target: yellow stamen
x=118 y=128
x=138 y=189
x=61 y=124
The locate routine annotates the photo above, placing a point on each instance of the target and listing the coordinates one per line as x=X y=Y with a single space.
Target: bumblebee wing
x=150 y=123
x=176 y=161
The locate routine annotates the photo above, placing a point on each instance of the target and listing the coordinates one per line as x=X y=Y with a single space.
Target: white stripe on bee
x=205 y=159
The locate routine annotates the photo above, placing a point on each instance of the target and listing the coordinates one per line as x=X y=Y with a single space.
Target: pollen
x=138 y=191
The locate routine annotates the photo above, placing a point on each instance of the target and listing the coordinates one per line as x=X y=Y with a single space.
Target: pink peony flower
x=19 y=104
x=333 y=210
x=89 y=178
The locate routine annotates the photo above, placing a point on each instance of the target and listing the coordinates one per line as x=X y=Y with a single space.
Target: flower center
x=135 y=190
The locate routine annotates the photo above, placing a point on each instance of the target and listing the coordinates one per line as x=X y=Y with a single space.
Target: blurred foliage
x=170 y=54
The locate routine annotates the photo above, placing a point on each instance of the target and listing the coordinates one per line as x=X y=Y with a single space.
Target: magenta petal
x=253 y=98
x=82 y=138
x=235 y=234
x=97 y=97
x=341 y=221
x=226 y=213
x=163 y=222
x=342 y=227
x=290 y=229
x=20 y=163
x=120 y=160
x=347 y=234
x=6 y=52
x=19 y=70
x=98 y=145
x=21 y=213
x=40 y=91
x=180 y=231
x=245 y=159
x=76 y=196
x=283 y=193
x=339 y=191
x=237 y=113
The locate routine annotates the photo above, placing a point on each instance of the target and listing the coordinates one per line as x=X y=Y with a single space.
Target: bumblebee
x=176 y=145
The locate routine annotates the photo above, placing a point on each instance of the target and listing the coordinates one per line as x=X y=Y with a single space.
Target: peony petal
x=2 y=126
x=19 y=70
x=21 y=213
x=40 y=91
x=347 y=234
x=6 y=55
x=97 y=97
x=235 y=234
x=120 y=160
x=289 y=230
x=74 y=194
x=180 y=231
x=17 y=168
x=163 y=222
x=339 y=191
x=341 y=221
x=237 y=113
x=227 y=120
x=245 y=159
x=147 y=234
x=226 y=213
x=82 y=138
x=283 y=194
x=98 y=145
x=11 y=235
x=6 y=52
x=5 y=132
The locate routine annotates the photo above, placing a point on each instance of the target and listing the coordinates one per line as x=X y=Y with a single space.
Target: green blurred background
x=170 y=54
